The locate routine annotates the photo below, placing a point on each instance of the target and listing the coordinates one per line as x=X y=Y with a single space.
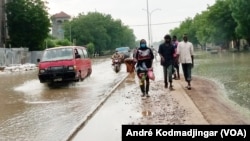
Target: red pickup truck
x=65 y=63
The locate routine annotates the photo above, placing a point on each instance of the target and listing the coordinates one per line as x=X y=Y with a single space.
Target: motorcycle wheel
x=117 y=69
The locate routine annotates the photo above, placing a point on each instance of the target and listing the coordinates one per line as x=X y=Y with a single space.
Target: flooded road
x=32 y=111
x=230 y=70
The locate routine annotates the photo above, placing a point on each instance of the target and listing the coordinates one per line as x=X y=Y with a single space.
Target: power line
x=158 y=23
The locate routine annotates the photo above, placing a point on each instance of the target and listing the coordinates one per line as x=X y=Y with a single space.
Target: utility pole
x=148 y=25
x=149 y=15
x=150 y=20
x=70 y=33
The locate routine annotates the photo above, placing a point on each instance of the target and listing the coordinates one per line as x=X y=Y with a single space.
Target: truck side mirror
x=38 y=60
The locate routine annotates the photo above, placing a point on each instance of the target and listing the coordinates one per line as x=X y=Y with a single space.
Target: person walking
x=144 y=58
x=166 y=52
x=176 y=67
x=185 y=54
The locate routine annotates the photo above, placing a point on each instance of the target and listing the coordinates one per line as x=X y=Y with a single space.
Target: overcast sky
x=165 y=14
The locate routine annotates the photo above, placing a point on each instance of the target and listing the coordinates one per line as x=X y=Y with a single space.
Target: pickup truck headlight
x=71 y=67
x=41 y=71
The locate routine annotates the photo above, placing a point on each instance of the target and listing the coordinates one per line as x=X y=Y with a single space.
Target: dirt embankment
x=214 y=105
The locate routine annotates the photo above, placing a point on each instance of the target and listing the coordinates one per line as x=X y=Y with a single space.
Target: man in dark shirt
x=166 y=51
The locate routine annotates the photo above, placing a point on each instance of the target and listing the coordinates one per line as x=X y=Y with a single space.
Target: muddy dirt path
x=204 y=104
x=213 y=104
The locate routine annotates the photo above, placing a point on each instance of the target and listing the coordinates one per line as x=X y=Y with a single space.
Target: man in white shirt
x=185 y=54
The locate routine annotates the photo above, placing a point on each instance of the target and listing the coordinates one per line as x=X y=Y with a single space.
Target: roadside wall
x=18 y=56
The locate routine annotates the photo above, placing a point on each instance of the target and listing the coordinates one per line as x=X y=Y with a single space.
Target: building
x=56 y=19
x=57 y=23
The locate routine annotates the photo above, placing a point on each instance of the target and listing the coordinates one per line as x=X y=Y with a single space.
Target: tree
x=186 y=27
x=90 y=49
x=240 y=12
x=215 y=25
x=223 y=24
x=28 y=23
x=202 y=28
x=63 y=42
x=102 y=30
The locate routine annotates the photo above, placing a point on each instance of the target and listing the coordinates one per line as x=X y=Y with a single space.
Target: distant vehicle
x=65 y=63
x=125 y=51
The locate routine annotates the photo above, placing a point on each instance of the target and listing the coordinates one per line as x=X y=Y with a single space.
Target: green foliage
x=101 y=30
x=241 y=14
x=90 y=48
x=202 y=27
x=186 y=27
x=221 y=23
x=64 y=42
x=50 y=43
x=220 y=16
x=28 y=23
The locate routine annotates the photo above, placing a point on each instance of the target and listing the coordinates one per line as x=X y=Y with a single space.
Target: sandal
x=188 y=87
x=171 y=87
x=142 y=95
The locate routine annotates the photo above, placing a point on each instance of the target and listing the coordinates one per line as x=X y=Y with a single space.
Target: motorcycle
x=116 y=65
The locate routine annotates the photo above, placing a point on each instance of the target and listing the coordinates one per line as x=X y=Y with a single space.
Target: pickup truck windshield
x=58 y=54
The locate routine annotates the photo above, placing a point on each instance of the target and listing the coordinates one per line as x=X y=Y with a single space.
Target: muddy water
x=230 y=70
x=31 y=111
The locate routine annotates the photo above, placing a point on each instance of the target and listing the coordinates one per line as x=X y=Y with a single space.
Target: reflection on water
x=231 y=70
x=146 y=113
x=32 y=111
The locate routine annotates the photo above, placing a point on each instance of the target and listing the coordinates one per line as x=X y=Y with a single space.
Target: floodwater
x=32 y=111
x=230 y=70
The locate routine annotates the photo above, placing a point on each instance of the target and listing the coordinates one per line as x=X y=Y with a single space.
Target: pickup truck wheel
x=81 y=78
x=89 y=72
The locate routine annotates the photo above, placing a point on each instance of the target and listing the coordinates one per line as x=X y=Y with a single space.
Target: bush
x=64 y=42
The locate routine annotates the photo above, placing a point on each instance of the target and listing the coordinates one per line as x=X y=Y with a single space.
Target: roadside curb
x=88 y=116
